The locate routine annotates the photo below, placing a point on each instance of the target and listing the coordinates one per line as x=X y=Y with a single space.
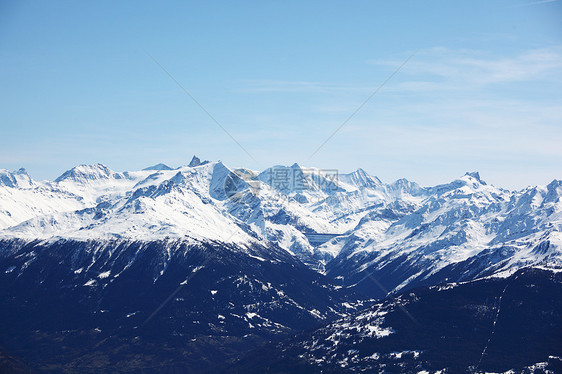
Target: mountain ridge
x=369 y=225
x=193 y=267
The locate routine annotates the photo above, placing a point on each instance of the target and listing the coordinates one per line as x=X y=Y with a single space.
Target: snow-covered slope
x=112 y=251
x=140 y=205
x=21 y=198
x=461 y=230
x=204 y=200
x=354 y=224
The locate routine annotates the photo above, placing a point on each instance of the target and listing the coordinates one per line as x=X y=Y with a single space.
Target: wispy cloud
x=443 y=68
x=436 y=69
x=532 y=3
x=452 y=109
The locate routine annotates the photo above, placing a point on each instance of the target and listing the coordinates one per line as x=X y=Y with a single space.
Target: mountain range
x=189 y=269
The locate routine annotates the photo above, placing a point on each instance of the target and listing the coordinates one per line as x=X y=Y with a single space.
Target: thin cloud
x=534 y=3
x=442 y=68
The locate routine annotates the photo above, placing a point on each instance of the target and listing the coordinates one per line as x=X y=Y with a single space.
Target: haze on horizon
x=481 y=93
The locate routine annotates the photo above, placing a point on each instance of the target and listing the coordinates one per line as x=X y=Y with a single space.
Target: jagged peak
x=360 y=178
x=404 y=182
x=475 y=175
x=363 y=173
x=407 y=186
x=294 y=166
x=554 y=184
x=554 y=190
x=17 y=178
x=20 y=171
x=196 y=161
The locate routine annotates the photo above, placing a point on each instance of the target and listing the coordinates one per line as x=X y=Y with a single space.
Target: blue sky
x=483 y=91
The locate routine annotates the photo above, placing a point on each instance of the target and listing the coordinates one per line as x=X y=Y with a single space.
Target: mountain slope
x=352 y=226
x=193 y=266
x=490 y=325
x=461 y=231
x=179 y=304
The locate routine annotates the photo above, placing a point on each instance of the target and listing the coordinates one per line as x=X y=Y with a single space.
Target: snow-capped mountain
x=16 y=179
x=22 y=199
x=463 y=230
x=351 y=225
x=221 y=260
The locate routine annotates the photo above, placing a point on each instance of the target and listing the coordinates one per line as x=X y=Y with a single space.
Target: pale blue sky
x=482 y=93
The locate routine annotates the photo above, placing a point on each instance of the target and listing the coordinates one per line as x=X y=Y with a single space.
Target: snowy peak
x=474 y=175
x=555 y=184
x=16 y=179
x=307 y=211
x=296 y=179
x=468 y=184
x=360 y=178
x=286 y=179
x=554 y=189
x=226 y=183
x=550 y=195
x=158 y=167
x=89 y=173
x=405 y=186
